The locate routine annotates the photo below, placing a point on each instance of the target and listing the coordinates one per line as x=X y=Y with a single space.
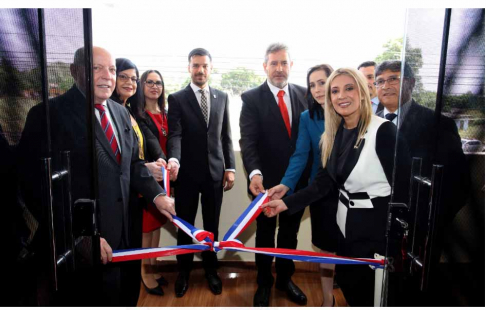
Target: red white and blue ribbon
x=248 y=216
x=166 y=180
x=206 y=242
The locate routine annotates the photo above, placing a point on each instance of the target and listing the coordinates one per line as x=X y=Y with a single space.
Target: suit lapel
x=273 y=106
x=350 y=161
x=100 y=134
x=352 y=158
x=214 y=106
x=191 y=98
x=295 y=105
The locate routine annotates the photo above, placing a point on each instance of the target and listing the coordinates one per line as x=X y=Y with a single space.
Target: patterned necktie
x=204 y=105
x=284 y=111
x=390 y=116
x=108 y=129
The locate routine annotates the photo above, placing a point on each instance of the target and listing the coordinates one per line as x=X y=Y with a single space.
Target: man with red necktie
x=269 y=124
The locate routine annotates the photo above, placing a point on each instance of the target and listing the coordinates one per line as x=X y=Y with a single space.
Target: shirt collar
x=375 y=100
x=196 y=88
x=275 y=89
x=402 y=110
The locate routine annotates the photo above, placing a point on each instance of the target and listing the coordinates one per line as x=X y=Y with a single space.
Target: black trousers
x=286 y=238
x=187 y=191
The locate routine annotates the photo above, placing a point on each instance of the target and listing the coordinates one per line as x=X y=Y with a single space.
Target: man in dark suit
x=200 y=144
x=433 y=139
x=368 y=70
x=118 y=166
x=269 y=123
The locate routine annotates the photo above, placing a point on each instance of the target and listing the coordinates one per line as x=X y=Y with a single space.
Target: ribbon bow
x=205 y=241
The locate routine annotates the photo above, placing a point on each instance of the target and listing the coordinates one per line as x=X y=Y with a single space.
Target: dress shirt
x=286 y=97
x=374 y=104
x=401 y=112
x=196 y=89
x=288 y=103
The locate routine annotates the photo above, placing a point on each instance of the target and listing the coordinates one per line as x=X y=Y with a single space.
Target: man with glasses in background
x=200 y=152
x=433 y=139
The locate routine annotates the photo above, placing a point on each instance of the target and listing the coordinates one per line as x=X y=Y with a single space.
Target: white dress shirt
x=374 y=104
x=196 y=89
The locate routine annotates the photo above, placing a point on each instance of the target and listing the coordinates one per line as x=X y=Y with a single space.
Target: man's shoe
x=181 y=284
x=214 y=282
x=262 y=296
x=293 y=292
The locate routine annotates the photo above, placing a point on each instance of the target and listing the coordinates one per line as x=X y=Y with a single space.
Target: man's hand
x=273 y=208
x=165 y=205
x=256 y=185
x=154 y=168
x=106 y=251
x=277 y=192
x=173 y=168
x=228 y=180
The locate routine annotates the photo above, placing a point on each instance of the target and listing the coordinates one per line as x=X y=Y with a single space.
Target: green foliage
x=239 y=80
x=392 y=51
x=413 y=56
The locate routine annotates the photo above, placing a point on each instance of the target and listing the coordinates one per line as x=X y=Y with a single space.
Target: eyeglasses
x=125 y=78
x=151 y=83
x=394 y=80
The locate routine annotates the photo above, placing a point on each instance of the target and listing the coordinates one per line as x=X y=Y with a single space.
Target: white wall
x=235 y=202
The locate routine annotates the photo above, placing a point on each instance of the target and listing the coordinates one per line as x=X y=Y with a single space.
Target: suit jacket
x=368 y=200
x=197 y=145
x=68 y=127
x=437 y=143
x=151 y=145
x=310 y=132
x=265 y=142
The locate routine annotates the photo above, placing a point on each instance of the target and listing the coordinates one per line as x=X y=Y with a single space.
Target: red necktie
x=284 y=111
x=110 y=134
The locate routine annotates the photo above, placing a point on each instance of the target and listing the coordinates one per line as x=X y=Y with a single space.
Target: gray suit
x=68 y=127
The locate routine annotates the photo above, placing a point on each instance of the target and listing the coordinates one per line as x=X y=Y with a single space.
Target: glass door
x=435 y=206
x=47 y=155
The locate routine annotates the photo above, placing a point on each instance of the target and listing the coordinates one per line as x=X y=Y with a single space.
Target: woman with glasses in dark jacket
x=126 y=93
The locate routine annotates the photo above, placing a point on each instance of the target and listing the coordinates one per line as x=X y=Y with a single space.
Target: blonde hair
x=333 y=119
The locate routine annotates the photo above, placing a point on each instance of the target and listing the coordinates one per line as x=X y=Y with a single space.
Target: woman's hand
x=277 y=192
x=155 y=169
x=274 y=207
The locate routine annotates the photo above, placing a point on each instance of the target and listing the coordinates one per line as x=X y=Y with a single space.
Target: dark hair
x=139 y=106
x=314 y=107
x=123 y=64
x=394 y=66
x=367 y=64
x=199 y=52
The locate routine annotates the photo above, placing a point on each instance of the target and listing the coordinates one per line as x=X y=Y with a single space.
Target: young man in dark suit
x=118 y=165
x=269 y=123
x=368 y=70
x=201 y=157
